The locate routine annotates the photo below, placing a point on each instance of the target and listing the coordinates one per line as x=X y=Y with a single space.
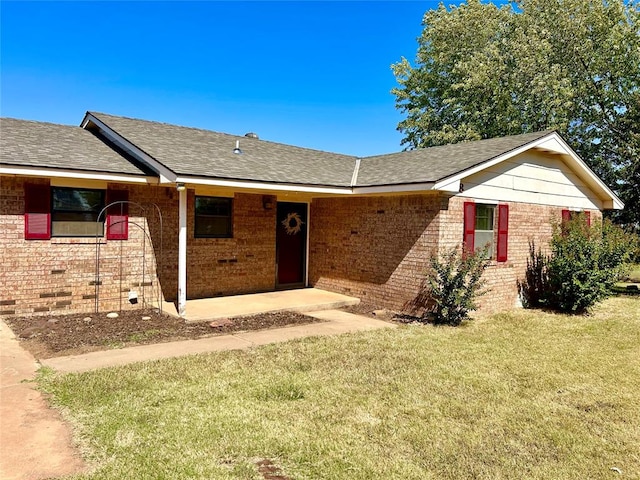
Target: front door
x=291 y=243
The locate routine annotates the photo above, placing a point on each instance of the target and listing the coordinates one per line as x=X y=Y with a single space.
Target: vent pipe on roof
x=237 y=150
x=252 y=135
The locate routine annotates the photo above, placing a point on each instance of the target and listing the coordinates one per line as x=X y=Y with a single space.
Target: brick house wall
x=59 y=275
x=378 y=248
x=373 y=248
x=245 y=263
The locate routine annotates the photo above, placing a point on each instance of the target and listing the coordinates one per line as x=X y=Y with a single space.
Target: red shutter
x=117 y=224
x=566 y=216
x=588 y=215
x=469 y=226
x=503 y=232
x=37 y=212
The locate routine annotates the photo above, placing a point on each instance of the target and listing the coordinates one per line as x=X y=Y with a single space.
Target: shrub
x=584 y=263
x=454 y=283
x=535 y=286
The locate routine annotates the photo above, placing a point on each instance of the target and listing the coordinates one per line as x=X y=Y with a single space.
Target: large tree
x=483 y=71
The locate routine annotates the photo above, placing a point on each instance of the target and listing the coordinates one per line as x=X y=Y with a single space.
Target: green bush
x=584 y=263
x=534 y=288
x=454 y=283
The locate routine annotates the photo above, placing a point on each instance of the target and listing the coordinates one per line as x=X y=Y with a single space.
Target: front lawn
x=522 y=395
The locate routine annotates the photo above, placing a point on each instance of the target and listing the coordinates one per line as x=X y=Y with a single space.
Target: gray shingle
x=195 y=152
x=432 y=164
x=47 y=145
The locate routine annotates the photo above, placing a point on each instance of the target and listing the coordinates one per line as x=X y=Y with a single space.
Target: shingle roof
x=48 y=145
x=203 y=153
x=436 y=163
x=195 y=152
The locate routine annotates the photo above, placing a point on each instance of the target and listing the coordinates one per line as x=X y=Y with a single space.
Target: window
x=74 y=212
x=480 y=228
x=213 y=217
x=484 y=227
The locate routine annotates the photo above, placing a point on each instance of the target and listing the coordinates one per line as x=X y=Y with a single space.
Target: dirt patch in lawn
x=62 y=335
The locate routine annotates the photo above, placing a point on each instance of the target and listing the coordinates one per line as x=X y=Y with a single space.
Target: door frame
x=305 y=251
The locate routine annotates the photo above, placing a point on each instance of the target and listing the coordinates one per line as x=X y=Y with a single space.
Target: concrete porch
x=299 y=300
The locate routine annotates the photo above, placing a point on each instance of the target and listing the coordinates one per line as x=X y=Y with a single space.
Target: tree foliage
x=483 y=71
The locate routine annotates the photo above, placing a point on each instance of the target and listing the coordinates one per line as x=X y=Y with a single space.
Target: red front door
x=291 y=243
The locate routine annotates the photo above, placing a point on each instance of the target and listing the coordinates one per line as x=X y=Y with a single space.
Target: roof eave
x=6 y=169
x=261 y=185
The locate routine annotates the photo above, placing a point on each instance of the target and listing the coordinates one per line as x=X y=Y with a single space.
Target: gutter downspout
x=182 y=252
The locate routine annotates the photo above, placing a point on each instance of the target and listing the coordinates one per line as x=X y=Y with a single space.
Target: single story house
x=99 y=215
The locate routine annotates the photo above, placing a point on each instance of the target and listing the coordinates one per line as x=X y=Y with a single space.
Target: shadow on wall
x=421 y=303
x=381 y=240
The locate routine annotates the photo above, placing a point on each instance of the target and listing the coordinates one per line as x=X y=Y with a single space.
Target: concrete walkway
x=335 y=322
x=35 y=443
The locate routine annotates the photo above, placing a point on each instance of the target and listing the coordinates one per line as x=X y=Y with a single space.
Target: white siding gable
x=532 y=177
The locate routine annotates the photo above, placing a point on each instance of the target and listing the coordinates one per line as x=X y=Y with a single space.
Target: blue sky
x=312 y=74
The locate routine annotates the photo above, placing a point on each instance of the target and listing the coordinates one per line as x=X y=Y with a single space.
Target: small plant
x=535 y=286
x=454 y=283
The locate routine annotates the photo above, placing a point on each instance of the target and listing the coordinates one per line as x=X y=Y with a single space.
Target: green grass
x=521 y=395
x=631 y=280
x=634 y=274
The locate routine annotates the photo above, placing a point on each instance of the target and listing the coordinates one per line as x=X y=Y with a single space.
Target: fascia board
x=240 y=184
x=324 y=190
x=166 y=175
x=109 y=177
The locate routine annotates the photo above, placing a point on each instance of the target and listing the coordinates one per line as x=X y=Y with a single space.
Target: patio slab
x=300 y=300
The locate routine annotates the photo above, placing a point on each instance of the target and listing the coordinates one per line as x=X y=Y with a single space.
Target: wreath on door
x=293 y=223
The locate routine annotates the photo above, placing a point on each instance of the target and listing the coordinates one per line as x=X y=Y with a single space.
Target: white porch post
x=182 y=252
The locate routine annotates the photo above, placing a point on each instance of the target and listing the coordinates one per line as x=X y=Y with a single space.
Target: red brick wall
x=527 y=222
x=378 y=248
x=58 y=275
x=242 y=264
x=373 y=248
